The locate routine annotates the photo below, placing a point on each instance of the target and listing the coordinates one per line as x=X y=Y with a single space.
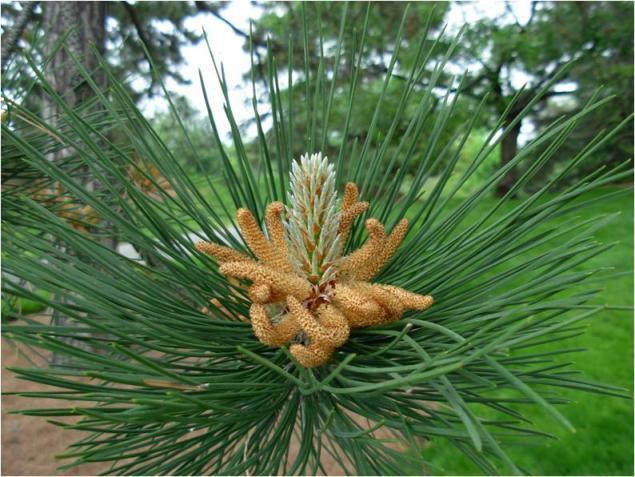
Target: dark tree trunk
x=85 y=25
x=82 y=25
x=509 y=148
x=11 y=37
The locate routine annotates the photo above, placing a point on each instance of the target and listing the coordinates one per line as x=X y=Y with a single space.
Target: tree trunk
x=82 y=26
x=509 y=148
x=11 y=37
x=85 y=24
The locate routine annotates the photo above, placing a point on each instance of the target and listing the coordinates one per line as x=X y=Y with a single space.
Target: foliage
x=170 y=384
x=499 y=54
x=281 y=28
x=16 y=306
x=133 y=30
x=503 y=55
x=198 y=158
x=469 y=150
x=608 y=28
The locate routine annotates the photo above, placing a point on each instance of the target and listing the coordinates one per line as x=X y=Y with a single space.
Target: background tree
x=606 y=29
x=201 y=159
x=62 y=33
x=126 y=33
x=504 y=56
x=283 y=25
x=500 y=55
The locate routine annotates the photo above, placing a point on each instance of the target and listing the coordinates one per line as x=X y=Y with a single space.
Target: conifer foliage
x=170 y=378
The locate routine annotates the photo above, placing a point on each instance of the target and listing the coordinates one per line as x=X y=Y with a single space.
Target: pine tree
x=174 y=380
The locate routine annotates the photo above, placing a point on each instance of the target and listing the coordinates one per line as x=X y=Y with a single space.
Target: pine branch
x=205 y=7
x=183 y=386
x=136 y=21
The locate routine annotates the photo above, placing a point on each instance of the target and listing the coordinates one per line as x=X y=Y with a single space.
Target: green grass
x=603 y=443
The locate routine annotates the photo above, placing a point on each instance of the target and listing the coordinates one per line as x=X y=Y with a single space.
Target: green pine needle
x=166 y=388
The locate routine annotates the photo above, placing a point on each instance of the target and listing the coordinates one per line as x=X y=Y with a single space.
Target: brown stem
x=509 y=148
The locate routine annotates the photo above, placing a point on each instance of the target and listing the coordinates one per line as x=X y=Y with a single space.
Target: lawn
x=603 y=443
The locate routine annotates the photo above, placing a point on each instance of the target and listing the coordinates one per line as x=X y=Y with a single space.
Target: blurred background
x=506 y=50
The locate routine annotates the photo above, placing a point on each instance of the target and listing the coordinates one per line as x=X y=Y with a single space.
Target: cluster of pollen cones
x=316 y=316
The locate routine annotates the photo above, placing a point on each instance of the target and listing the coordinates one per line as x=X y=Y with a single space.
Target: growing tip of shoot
x=312 y=218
